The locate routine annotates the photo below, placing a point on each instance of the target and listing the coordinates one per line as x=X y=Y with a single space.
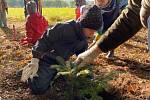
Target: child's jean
x=39 y=85
x=148 y=23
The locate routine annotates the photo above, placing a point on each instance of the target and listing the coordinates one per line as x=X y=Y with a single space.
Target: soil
x=132 y=57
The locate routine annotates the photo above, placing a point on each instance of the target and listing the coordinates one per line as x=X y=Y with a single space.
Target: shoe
x=110 y=55
x=146 y=68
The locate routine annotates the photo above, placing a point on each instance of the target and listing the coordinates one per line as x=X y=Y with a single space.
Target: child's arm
x=45 y=44
x=42 y=46
x=81 y=47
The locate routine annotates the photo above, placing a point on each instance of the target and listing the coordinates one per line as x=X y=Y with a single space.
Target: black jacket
x=64 y=40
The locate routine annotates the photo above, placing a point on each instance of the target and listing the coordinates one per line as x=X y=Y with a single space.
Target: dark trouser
x=3 y=18
x=39 y=85
x=125 y=26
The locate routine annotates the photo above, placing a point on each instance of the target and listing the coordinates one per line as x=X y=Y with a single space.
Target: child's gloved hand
x=30 y=70
x=144 y=12
x=88 y=56
x=25 y=41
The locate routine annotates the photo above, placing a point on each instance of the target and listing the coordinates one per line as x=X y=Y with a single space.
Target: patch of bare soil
x=132 y=56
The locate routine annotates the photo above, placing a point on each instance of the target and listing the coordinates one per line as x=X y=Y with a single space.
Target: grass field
x=51 y=14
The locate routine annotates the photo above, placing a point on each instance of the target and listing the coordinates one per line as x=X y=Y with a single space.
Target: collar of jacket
x=110 y=7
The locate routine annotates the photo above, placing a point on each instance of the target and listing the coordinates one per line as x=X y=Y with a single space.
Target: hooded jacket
x=36 y=25
x=64 y=40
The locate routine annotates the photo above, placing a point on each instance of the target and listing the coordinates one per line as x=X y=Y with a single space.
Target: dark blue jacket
x=111 y=12
x=64 y=40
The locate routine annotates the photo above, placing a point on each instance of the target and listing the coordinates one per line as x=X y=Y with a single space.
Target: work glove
x=144 y=13
x=30 y=70
x=88 y=56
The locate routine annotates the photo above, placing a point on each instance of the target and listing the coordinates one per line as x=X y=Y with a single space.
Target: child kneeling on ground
x=62 y=40
x=36 y=24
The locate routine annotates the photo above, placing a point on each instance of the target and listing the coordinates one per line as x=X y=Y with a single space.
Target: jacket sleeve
x=146 y=3
x=145 y=12
x=45 y=44
x=125 y=26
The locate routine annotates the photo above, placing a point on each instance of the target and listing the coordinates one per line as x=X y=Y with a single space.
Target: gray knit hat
x=92 y=18
x=31 y=7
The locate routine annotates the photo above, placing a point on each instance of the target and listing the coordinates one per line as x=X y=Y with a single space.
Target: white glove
x=145 y=12
x=30 y=70
x=88 y=56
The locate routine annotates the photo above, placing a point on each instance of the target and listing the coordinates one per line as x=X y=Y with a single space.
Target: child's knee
x=39 y=85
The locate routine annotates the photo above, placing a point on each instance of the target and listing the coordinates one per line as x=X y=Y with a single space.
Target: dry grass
x=53 y=15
